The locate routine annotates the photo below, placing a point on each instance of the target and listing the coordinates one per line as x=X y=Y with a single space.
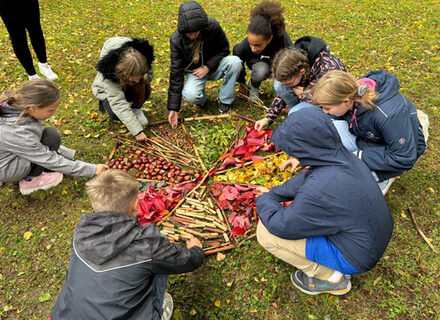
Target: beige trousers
x=292 y=252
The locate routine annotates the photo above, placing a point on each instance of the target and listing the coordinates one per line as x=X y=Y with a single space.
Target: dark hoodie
x=214 y=48
x=335 y=197
x=390 y=138
x=113 y=266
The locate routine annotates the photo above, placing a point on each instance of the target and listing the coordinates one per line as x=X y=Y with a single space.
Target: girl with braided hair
x=266 y=35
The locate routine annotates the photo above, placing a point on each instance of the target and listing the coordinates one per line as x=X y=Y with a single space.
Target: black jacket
x=336 y=196
x=113 y=266
x=244 y=52
x=215 y=47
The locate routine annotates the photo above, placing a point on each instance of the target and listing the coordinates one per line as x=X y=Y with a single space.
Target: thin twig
x=250 y=237
x=194 y=147
x=229 y=247
x=237 y=132
x=427 y=240
x=113 y=151
x=245 y=118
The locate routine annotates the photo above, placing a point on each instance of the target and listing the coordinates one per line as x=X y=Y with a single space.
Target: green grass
x=399 y=36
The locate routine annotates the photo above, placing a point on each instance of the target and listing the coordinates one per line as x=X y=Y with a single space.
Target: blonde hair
x=133 y=64
x=40 y=93
x=288 y=63
x=337 y=85
x=197 y=49
x=112 y=190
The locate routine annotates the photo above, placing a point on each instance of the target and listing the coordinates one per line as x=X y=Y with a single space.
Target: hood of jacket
x=387 y=85
x=311 y=137
x=106 y=240
x=311 y=47
x=191 y=18
x=6 y=111
x=108 y=61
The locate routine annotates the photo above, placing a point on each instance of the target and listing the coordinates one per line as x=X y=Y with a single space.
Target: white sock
x=335 y=277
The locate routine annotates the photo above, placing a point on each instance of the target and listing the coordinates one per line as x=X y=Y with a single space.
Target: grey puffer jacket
x=113 y=267
x=107 y=86
x=20 y=147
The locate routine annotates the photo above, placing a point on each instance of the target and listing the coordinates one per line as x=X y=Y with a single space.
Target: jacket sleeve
x=221 y=47
x=34 y=151
x=171 y=258
x=275 y=109
x=120 y=106
x=177 y=76
x=400 y=149
x=305 y=217
x=239 y=51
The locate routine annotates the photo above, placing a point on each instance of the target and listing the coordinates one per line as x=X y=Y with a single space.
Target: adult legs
x=52 y=139
x=15 y=25
x=292 y=252
x=229 y=69
x=33 y=26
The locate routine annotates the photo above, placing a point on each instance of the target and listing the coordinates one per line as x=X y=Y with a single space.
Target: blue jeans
x=160 y=283
x=229 y=69
x=286 y=93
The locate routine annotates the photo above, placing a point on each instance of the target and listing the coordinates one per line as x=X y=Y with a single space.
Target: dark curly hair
x=267 y=19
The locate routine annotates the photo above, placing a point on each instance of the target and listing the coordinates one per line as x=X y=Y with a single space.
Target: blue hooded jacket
x=390 y=138
x=336 y=196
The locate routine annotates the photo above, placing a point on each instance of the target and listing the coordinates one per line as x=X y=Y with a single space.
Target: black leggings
x=19 y=16
x=51 y=138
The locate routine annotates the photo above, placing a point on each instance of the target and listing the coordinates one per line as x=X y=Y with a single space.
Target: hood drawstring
x=353 y=117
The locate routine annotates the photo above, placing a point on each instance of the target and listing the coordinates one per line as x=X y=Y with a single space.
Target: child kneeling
x=118 y=269
x=338 y=223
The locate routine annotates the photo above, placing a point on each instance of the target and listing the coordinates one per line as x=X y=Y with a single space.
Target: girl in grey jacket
x=27 y=148
x=122 y=84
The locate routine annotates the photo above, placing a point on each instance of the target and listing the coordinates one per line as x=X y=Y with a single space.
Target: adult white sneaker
x=167 y=307
x=47 y=71
x=34 y=76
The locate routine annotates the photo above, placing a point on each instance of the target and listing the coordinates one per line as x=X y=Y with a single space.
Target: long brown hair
x=337 y=85
x=133 y=64
x=40 y=93
x=288 y=63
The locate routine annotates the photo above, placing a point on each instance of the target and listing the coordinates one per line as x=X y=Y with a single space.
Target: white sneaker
x=254 y=93
x=47 y=71
x=34 y=76
x=140 y=116
x=385 y=185
x=167 y=307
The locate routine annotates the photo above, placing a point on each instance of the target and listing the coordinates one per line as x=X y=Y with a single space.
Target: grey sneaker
x=254 y=94
x=223 y=107
x=167 y=307
x=314 y=286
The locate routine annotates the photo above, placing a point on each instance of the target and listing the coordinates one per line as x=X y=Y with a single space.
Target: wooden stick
x=113 y=151
x=171 y=145
x=245 y=118
x=237 y=132
x=427 y=240
x=194 y=147
x=250 y=237
x=207 y=117
x=229 y=247
x=258 y=103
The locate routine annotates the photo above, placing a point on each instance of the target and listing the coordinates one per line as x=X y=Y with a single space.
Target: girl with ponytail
x=383 y=123
x=266 y=36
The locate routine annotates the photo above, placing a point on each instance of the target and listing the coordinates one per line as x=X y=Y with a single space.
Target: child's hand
x=173 y=118
x=141 y=137
x=260 y=124
x=294 y=162
x=100 y=168
x=193 y=242
x=201 y=72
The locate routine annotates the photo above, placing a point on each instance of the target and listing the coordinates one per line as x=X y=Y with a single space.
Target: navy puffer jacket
x=336 y=196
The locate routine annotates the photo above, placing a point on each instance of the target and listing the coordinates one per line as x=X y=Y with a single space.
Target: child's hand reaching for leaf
x=294 y=162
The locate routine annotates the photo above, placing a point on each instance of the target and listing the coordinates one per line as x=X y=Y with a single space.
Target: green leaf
x=44 y=297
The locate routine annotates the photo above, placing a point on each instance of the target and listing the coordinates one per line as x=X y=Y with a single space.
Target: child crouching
x=29 y=152
x=118 y=269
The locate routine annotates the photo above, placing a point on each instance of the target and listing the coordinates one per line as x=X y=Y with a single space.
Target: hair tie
x=363 y=88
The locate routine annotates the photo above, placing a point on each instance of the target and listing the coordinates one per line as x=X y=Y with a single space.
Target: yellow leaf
x=44 y=229
x=220 y=256
x=229 y=284
x=217 y=303
x=67 y=132
x=1 y=277
x=27 y=235
x=193 y=312
x=227 y=300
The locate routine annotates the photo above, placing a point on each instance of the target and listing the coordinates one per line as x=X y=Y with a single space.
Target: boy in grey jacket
x=118 y=269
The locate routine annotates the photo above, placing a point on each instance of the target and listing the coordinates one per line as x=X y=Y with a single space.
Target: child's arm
x=275 y=109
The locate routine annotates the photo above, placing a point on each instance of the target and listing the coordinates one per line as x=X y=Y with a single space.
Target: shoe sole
x=314 y=293
x=53 y=184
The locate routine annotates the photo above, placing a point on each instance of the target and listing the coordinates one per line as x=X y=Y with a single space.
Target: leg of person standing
x=15 y=24
x=33 y=26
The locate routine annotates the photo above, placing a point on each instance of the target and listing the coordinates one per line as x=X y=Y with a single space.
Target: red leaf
x=237 y=231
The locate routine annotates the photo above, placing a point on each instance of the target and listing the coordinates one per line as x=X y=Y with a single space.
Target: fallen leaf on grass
x=67 y=132
x=44 y=297
x=217 y=303
x=193 y=312
x=229 y=284
x=27 y=235
x=220 y=256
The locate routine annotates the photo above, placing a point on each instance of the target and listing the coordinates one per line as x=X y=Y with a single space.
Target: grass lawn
x=399 y=36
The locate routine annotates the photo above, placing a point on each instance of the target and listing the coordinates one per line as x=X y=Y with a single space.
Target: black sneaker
x=314 y=286
x=223 y=107
x=202 y=105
